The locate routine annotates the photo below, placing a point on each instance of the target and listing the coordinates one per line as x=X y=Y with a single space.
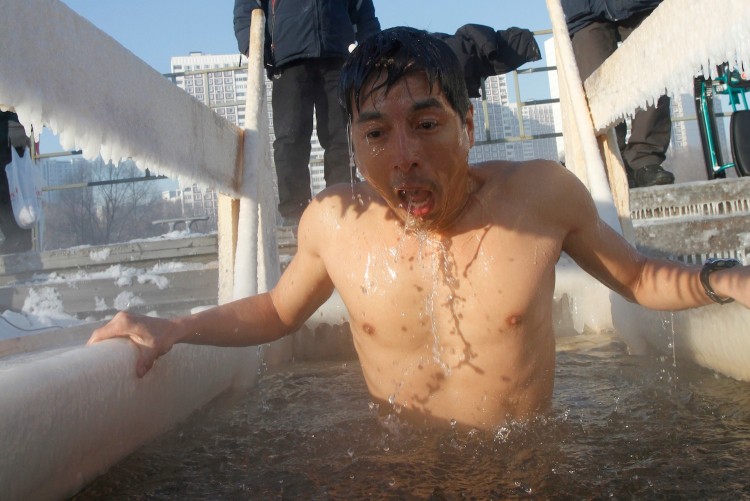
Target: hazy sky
x=156 y=30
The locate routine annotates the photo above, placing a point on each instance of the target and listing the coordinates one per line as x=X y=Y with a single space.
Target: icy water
x=622 y=427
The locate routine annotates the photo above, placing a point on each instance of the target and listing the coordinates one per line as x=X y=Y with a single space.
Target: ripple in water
x=622 y=426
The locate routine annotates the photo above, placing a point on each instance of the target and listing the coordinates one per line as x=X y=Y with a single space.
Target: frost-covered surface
x=714 y=336
x=679 y=40
x=59 y=70
x=100 y=255
x=257 y=260
x=120 y=274
x=581 y=148
x=43 y=308
x=67 y=416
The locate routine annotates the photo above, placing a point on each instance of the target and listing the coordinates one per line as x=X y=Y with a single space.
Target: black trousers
x=298 y=89
x=651 y=128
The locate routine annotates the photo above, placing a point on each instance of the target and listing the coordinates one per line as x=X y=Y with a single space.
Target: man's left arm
x=658 y=284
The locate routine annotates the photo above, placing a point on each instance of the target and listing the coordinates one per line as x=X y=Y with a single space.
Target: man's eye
x=428 y=124
x=373 y=134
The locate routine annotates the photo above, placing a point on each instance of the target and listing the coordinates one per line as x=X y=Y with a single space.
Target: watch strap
x=710 y=266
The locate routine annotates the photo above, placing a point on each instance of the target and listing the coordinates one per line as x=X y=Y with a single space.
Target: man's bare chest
x=409 y=291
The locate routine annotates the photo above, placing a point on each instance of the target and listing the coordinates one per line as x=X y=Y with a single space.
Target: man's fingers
x=135 y=328
x=146 y=358
x=100 y=334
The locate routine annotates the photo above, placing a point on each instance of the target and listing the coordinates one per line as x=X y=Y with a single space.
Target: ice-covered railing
x=66 y=416
x=680 y=39
x=59 y=70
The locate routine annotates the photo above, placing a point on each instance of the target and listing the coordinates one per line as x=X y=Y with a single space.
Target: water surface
x=621 y=426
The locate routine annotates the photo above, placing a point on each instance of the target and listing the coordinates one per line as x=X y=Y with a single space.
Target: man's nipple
x=514 y=320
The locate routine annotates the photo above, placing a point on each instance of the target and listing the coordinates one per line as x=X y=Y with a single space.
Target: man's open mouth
x=417 y=202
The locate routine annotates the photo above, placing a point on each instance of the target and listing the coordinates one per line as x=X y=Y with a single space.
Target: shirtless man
x=447 y=270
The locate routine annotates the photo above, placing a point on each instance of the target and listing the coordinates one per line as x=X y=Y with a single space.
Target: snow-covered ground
x=44 y=306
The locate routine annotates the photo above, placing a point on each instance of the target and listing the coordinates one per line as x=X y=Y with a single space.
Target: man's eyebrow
x=429 y=102
x=422 y=104
x=364 y=116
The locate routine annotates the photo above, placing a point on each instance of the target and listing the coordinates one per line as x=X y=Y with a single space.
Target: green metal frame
x=729 y=83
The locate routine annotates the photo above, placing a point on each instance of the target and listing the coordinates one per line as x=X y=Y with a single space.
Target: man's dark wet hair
x=387 y=57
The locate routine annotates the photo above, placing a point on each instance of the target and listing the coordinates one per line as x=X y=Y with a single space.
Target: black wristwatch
x=710 y=266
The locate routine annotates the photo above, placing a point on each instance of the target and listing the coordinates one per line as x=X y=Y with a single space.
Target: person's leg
x=331 y=124
x=650 y=132
x=592 y=45
x=292 y=105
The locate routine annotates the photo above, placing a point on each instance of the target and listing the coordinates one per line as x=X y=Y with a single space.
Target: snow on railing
x=680 y=39
x=59 y=70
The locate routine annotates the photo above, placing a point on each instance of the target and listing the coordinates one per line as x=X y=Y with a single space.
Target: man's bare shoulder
x=523 y=179
x=505 y=169
x=343 y=201
x=339 y=209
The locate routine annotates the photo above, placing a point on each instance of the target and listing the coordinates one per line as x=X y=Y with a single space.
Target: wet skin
x=447 y=270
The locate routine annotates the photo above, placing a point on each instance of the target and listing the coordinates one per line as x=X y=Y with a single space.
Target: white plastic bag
x=25 y=191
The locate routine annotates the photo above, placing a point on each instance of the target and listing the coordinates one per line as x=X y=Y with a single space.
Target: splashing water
x=582 y=450
x=442 y=273
x=351 y=154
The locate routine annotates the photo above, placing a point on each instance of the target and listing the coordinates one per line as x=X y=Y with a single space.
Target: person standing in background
x=596 y=27
x=306 y=45
x=15 y=239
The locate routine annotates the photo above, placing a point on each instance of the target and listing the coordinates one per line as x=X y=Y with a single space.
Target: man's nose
x=407 y=151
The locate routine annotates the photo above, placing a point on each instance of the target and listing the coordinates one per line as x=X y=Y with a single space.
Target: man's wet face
x=413 y=148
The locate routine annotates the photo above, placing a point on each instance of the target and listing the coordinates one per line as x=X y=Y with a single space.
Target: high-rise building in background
x=220 y=82
x=59 y=173
x=496 y=119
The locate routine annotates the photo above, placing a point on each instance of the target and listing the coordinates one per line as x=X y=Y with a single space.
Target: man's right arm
x=303 y=287
x=245 y=322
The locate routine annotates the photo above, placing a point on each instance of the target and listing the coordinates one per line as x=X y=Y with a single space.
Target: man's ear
x=352 y=149
x=469 y=124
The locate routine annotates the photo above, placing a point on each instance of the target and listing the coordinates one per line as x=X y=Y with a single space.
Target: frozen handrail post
x=248 y=252
x=66 y=417
x=248 y=255
x=581 y=148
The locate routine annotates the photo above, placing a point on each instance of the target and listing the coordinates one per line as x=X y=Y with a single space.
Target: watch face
x=721 y=263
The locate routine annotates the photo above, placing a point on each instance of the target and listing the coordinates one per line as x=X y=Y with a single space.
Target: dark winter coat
x=484 y=52
x=579 y=13
x=305 y=29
